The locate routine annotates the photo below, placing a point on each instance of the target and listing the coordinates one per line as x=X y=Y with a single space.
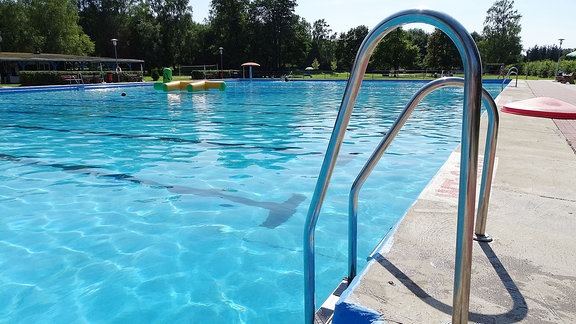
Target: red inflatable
x=542 y=107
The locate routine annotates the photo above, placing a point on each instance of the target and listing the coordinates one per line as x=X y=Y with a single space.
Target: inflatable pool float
x=541 y=107
x=190 y=86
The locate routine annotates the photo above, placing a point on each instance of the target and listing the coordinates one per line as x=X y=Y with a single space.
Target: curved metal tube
x=512 y=70
x=468 y=162
x=487 y=171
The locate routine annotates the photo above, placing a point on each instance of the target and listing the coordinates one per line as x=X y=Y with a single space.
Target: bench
x=92 y=78
x=566 y=78
x=71 y=77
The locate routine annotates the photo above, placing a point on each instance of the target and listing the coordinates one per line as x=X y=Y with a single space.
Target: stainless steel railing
x=469 y=150
x=512 y=70
x=487 y=170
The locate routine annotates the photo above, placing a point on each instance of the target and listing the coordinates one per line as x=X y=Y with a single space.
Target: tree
x=229 y=24
x=145 y=32
x=333 y=65
x=275 y=28
x=315 y=64
x=418 y=37
x=103 y=20
x=322 y=43
x=43 y=25
x=540 y=53
x=348 y=45
x=298 y=44
x=501 y=41
x=395 y=51
x=442 y=52
x=476 y=37
x=175 y=18
x=16 y=33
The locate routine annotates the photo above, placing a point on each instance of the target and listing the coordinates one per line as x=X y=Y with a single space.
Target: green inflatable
x=166 y=75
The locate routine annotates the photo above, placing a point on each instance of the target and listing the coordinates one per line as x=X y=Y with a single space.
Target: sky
x=543 y=21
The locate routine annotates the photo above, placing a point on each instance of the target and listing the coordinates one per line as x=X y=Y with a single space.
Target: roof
x=45 y=57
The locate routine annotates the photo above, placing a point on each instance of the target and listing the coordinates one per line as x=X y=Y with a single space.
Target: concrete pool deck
x=527 y=274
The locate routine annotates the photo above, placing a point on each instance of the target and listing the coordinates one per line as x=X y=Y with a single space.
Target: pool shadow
x=278 y=212
x=517 y=313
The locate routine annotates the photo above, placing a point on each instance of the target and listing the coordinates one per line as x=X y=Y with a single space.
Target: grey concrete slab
x=528 y=273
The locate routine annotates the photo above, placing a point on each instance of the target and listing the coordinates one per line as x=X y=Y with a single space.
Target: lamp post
x=221 y=64
x=115 y=42
x=0 y=42
x=559 y=55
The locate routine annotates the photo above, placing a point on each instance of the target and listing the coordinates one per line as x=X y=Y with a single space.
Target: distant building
x=12 y=63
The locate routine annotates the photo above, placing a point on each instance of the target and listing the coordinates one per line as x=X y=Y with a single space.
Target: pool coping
x=72 y=87
x=525 y=275
x=91 y=86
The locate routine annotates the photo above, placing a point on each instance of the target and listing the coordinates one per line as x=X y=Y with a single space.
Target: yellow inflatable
x=190 y=86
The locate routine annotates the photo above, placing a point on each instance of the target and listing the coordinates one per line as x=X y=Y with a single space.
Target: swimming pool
x=179 y=207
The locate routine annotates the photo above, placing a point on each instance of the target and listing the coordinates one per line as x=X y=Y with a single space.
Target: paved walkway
x=563 y=92
x=527 y=274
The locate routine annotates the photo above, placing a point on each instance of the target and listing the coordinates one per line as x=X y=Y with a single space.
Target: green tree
x=104 y=20
x=394 y=52
x=348 y=45
x=539 y=53
x=159 y=31
x=323 y=43
x=16 y=32
x=272 y=21
x=501 y=41
x=333 y=65
x=175 y=18
x=315 y=64
x=49 y=26
x=298 y=44
x=229 y=25
x=476 y=37
x=144 y=31
x=418 y=37
x=441 y=52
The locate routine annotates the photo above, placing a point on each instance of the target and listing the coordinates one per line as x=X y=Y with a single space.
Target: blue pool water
x=189 y=208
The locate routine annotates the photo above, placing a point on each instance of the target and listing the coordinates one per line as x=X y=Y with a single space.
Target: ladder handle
x=468 y=162
x=487 y=171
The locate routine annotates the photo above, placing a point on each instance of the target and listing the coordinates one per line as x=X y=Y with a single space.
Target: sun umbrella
x=249 y=65
x=571 y=54
x=309 y=68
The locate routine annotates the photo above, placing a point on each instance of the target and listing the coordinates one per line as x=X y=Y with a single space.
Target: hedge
x=35 y=78
x=547 y=68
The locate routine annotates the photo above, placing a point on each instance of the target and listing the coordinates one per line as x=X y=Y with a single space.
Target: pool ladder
x=512 y=70
x=473 y=94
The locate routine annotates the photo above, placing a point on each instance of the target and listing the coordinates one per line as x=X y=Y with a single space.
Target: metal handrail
x=469 y=150
x=487 y=170
x=512 y=70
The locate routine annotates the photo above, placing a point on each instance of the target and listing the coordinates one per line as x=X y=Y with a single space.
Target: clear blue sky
x=543 y=21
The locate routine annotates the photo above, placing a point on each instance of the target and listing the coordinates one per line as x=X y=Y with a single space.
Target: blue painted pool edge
x=347 y=311
x=72 y=87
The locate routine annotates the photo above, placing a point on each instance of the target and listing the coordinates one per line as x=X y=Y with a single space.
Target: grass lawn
x=368 y=76
x=315 y=75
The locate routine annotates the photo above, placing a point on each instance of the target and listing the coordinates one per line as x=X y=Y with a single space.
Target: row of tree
x=163 y=33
